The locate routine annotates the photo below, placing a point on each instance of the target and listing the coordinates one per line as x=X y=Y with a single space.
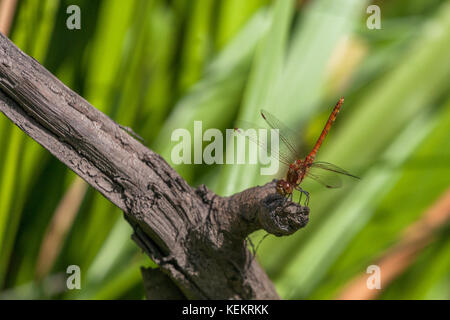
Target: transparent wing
x=243 y=128
x=327 y=174
x=331 y=167
x=324 y=178
x=291 y=145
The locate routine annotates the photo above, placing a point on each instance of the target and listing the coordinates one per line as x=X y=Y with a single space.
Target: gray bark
x=195 y=236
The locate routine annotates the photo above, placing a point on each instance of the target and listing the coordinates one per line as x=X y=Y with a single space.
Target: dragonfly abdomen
x=333 y=115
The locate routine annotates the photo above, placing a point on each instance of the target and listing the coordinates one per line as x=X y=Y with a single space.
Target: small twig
x=254 y=250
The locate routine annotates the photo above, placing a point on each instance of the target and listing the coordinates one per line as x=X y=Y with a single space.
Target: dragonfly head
x=284 y=187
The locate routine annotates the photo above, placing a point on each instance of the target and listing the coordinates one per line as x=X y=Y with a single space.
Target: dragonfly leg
x=301 y=194
x=286 y=198
x=307 y=197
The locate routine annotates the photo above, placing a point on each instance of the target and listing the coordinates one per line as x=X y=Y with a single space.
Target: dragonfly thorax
x=294 y=176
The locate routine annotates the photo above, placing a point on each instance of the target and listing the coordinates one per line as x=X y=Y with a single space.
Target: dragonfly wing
x=327 y=174
x=291 y=142
x=243 y=129
x=328 y=180
x=331 y=167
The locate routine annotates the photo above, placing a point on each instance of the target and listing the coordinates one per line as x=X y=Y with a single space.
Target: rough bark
x=195 y=236
x=158 y=286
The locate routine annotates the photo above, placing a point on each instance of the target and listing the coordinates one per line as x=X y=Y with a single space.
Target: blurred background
x=158 y=65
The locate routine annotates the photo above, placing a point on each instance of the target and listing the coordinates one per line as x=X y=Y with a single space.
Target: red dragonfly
x=299 y=167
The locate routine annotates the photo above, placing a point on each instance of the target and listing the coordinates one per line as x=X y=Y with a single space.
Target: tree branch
x=158 y=286
x=195 y=236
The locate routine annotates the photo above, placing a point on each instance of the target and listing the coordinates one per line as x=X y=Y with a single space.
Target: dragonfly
x=301 y=167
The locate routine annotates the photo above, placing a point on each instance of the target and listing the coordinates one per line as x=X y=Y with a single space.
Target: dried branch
x=195 y=236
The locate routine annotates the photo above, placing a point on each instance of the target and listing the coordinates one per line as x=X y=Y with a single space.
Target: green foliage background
x=158 y=65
